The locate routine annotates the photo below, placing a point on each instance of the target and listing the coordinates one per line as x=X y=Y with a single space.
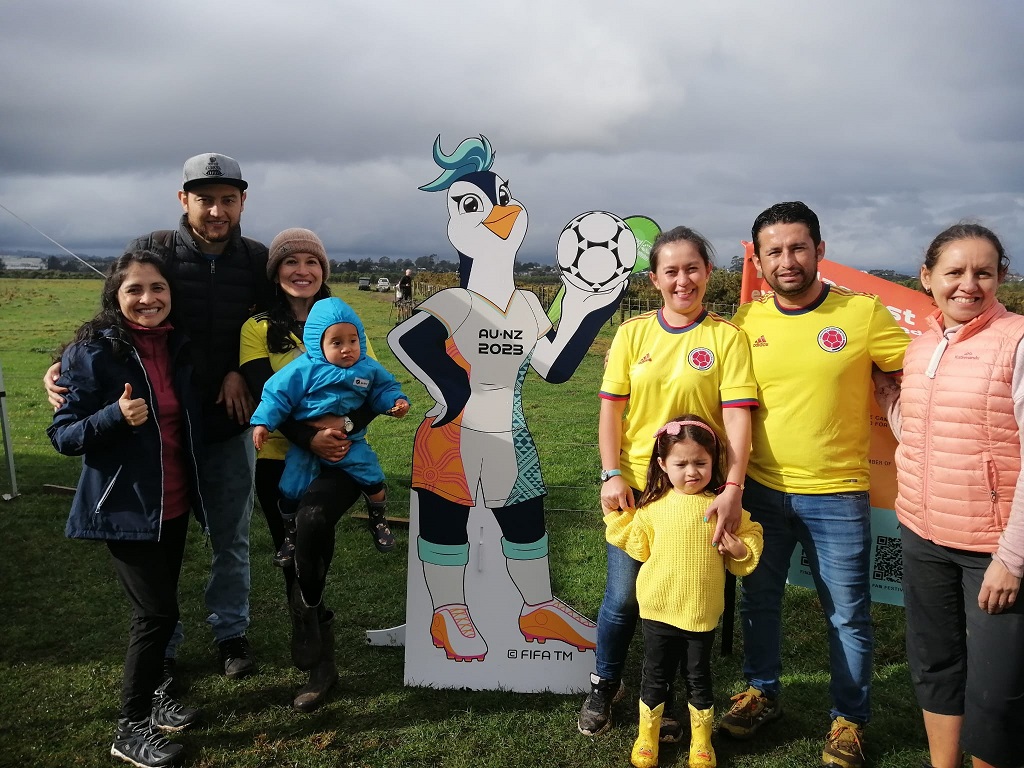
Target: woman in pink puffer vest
x=958 y=416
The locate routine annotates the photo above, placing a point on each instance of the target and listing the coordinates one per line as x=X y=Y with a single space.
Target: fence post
x=6 y=427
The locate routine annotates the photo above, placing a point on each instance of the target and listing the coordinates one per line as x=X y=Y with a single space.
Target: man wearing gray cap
x=220 y=282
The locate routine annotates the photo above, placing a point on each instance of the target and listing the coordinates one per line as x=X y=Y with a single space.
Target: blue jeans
x=616 y=621
x=835 y=532
x=226 y=484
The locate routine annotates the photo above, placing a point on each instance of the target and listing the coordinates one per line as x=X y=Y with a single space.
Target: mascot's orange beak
x=502 y=219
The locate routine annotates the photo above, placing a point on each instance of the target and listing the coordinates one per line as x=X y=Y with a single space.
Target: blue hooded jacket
x=310 y=386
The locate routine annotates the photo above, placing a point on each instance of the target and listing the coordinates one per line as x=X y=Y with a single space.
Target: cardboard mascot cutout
x=479 y=587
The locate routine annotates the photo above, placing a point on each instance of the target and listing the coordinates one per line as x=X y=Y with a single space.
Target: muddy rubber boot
x=323 y=675
x=306 y=641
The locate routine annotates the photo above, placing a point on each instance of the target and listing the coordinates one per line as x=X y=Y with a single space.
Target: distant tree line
x=348 y=271
x=723 y=285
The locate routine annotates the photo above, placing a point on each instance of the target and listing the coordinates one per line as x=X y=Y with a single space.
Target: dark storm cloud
x=890 y=119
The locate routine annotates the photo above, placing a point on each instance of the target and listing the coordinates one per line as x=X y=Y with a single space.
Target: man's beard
x=807 y=282
x=203 y=232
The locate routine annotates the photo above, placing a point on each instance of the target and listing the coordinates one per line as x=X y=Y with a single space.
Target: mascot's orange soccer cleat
x=554 y=620
x=453 y=630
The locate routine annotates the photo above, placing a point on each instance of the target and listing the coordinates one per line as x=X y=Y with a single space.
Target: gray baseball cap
x=211 y=168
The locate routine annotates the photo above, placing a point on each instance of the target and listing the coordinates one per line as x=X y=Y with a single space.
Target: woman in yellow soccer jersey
x=678 y=359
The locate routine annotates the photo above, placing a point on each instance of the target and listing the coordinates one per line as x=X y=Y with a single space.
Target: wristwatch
x=350 y=426
x=608 y=474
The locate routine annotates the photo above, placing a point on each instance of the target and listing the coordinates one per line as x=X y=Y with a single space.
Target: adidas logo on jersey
x=645 y=359
x=761 y=342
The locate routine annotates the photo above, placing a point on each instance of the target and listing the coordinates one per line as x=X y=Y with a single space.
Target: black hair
x=281 y=320
x=703 y=434
x=794 y=212
x=109 y=317
x=965 y=230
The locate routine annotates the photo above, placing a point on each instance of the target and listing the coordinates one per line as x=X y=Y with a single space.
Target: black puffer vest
x=212 y=299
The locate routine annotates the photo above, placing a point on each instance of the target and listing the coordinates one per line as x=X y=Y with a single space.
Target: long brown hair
x=109 y=316
x=678 y=430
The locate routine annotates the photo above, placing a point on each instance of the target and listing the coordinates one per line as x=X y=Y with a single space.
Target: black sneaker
x=170 y=716
x=140 y=744
x=236 y=657
x=596 y=713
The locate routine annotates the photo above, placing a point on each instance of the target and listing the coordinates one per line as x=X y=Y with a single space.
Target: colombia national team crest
x=701 y=358
x=832 y=339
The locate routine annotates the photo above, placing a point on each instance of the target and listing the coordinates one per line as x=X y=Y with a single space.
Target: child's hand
x=259 y=436
x=732 y=546
x=399 y=409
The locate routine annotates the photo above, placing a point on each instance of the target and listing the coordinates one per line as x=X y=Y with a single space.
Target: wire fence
x=637 y=305
x=633 y=303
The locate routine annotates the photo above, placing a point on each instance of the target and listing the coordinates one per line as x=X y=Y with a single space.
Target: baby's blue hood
x=322 y=316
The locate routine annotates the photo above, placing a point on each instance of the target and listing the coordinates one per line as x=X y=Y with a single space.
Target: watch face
x=349 y=426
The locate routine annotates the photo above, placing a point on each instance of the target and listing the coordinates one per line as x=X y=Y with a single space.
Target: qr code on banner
x=888 y=559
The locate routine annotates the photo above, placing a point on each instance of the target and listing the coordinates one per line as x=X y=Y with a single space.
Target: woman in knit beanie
x=298 y=268
x=293 y=241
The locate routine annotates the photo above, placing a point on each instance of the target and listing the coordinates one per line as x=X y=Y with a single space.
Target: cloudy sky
x=890 y=119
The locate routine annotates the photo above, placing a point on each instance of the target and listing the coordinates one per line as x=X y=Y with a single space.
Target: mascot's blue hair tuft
x=472 y=155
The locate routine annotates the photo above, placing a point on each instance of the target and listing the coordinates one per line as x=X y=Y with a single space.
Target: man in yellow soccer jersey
x=813 y=347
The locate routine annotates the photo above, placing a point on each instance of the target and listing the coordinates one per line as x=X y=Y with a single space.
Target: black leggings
x=322 y=505
x=148 y=572
x=665 y=647
x=268 y=475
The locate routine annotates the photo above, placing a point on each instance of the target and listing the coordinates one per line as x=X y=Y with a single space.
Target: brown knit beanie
x=296 y=240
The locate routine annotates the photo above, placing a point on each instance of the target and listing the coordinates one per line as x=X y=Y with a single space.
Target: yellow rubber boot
x=702 y=754
x=645 y=750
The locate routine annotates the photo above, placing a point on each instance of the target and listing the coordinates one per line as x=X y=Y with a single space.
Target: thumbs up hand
x=135 y=412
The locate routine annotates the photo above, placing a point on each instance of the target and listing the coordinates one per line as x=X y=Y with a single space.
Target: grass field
x=64 y=619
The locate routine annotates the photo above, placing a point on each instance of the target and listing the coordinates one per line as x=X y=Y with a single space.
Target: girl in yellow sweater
x=681 y=585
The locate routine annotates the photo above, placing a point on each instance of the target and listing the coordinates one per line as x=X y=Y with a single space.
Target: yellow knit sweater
x=682 y=579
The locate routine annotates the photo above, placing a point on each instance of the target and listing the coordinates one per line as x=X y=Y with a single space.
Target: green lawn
x=64 y=624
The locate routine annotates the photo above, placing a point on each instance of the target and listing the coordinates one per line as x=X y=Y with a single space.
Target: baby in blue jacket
x=334 y=376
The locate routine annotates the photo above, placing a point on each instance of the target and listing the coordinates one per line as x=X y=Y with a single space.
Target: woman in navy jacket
x=131 y=413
